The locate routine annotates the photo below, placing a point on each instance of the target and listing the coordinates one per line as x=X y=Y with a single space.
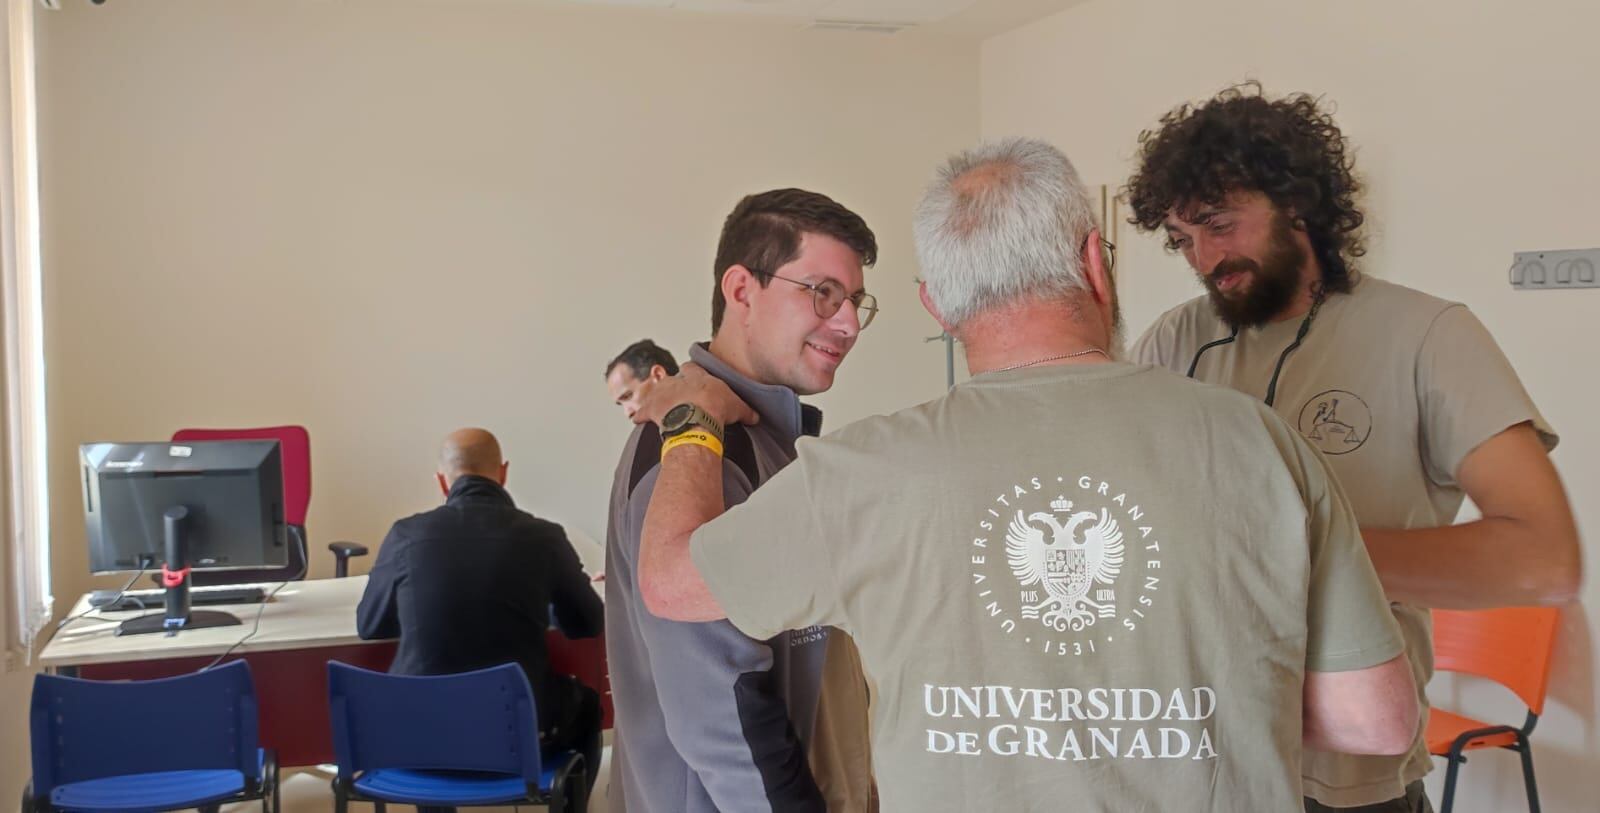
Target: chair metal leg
x=580 y=791
x=1525 y=748
x=1454 y=759
x=269 y=782
x=570 y=791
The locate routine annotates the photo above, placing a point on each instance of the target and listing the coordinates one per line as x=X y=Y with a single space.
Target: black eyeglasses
x=1110 y=252
x=827 y=297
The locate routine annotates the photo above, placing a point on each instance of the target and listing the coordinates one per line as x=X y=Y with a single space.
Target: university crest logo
x=1067 y=558
x=1081 y=563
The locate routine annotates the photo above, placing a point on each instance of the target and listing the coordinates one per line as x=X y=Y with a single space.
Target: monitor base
x=157 y=622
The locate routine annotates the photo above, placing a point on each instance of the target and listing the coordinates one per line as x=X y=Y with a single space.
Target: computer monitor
x=209 y=505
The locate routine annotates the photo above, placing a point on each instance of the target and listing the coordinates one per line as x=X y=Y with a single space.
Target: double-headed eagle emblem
x=1069 y=563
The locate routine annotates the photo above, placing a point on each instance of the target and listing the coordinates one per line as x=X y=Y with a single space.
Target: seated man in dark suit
x=472 y=584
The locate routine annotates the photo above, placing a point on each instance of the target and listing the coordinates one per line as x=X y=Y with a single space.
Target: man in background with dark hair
x=706 y=718
x=1407 y=395
x=635 y=370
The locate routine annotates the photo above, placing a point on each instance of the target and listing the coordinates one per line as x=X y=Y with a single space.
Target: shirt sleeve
x=378 y=614
x=766 y=560
x=1468 y=393
x=1349 y=624
x=578 y=610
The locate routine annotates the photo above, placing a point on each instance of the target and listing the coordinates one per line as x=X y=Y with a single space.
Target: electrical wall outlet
x=1568 y=268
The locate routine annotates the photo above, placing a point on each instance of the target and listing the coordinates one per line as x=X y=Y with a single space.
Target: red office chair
x=294 y=444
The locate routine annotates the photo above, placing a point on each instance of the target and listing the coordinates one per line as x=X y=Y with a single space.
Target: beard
x=1270 y=286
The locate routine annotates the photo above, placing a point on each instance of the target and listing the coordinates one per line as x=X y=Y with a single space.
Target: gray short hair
x=1001 y=222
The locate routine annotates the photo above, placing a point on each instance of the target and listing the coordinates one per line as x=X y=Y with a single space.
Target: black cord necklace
x=1317 y=298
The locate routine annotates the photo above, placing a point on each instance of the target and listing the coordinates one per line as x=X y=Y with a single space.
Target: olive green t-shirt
x=1087 y=588
x=1395 y=387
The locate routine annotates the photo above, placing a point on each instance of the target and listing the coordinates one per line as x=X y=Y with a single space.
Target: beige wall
x=15 y=689
x=384 y=219
x=1476 y=124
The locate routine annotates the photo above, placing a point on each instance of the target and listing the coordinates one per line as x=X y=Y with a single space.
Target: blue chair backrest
x=88 y=729
x=475 y=721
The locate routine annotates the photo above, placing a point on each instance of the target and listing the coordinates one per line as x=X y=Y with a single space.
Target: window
x=24 y=498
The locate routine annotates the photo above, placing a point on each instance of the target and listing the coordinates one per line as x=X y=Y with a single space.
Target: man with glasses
x=707 y=718
x=1406 y=394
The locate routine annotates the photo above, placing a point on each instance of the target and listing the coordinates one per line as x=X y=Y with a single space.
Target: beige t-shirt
x=1394 y=387
x=1088 y=588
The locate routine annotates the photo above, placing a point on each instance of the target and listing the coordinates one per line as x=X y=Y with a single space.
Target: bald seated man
x=472 y=584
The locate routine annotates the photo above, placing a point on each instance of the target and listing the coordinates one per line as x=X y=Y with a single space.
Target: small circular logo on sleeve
x=1081 y=563
x=1336 y=422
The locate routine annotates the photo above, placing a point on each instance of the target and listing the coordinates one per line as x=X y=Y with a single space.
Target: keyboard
x=112 y=601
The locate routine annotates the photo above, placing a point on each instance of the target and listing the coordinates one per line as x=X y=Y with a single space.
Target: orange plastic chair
x=1510 y=647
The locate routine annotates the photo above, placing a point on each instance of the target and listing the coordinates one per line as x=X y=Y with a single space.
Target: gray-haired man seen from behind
x=1075 y=582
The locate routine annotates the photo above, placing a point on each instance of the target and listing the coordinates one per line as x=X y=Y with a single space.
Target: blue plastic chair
x=445 y=740
x=148 y=745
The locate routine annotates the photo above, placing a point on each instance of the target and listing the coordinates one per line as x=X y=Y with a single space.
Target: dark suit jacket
x=471 y=584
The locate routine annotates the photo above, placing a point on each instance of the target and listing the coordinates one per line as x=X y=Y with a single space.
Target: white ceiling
x=969 y=17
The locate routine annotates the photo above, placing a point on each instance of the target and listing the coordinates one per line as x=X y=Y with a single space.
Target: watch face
x=677 y=416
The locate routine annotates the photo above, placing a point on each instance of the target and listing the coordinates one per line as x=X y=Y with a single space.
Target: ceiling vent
x=860 y=26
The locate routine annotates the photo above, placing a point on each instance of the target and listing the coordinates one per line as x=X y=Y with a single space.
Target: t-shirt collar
x=1050 y=372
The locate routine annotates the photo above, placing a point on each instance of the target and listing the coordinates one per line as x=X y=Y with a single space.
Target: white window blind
x=24 y=499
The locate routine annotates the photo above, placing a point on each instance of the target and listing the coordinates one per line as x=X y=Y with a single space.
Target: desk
x=307 y=624
x=303 y=615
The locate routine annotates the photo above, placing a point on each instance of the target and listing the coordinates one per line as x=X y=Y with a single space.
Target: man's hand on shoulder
x=693 y=385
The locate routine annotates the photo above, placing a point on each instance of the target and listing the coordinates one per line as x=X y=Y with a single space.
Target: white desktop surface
x=303 y=615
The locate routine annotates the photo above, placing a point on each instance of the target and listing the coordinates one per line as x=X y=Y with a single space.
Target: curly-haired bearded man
x=1406 y=394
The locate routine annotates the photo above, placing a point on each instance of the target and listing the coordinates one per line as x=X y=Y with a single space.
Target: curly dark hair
x=1289 y=149
x=763 y=234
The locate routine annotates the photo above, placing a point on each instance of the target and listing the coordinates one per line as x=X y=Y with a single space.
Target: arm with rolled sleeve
x=1359 y=694
x=766 y=561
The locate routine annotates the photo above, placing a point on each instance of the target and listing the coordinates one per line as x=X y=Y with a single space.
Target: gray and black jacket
x=708 y=719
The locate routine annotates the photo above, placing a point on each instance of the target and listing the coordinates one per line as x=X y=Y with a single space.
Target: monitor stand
x=177 y=615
